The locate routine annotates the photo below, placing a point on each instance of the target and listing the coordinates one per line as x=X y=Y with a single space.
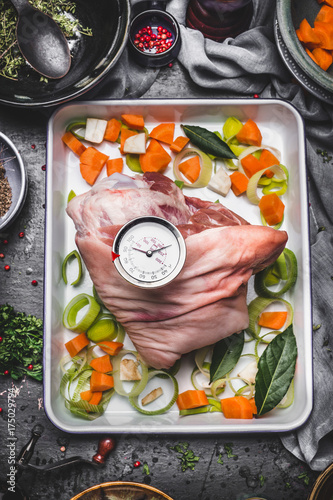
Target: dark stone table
x=259 y=465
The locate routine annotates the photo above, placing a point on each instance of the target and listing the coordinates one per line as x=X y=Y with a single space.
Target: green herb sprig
x=22 y=344
x=188 y=459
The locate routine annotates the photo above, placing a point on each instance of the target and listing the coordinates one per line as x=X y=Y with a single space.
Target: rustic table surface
x=230 y=467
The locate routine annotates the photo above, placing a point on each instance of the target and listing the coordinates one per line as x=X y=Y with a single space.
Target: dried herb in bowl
x=5 y=191
x=21 y=346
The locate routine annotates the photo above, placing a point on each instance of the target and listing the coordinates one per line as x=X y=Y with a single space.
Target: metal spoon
x=41 y=41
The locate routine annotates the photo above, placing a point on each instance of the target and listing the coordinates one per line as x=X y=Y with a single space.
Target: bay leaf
x=208 y=141
x=276 y=369
x=226 y=353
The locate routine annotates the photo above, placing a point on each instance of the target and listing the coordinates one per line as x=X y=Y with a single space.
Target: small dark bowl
x=154 y=18
x=92 y=58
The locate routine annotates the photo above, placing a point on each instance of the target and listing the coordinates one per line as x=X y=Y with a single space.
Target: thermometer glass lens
x=149 y=251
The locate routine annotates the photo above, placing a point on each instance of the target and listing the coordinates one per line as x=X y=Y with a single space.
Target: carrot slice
x=272 y=319
x=114 y=165
x=325 y=33
x=102 y=364
x=309 y=53
x=251 y=165
x=323 y=57
x=125 y=134
x=91 y=163
x=308 y=36
x=191 y=168
x=267 y=159
x=100 y=381
x=239 y=183
x=328 y=2
x=112 y=348
x=75 y=345
x=112 y=130
x=325 y=14
x=254 y=407
x=73 y=143
x=250 y=134
x=272 y=208
x=154 y=162
x=133 y=121
x=86 y=395
x=96 y=398
x=163 y=132
x=191 y=399
x=179 y=143
x=155 y=147
x=237 y=407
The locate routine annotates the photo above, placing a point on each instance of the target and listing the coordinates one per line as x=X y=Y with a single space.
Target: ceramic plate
x=121 y=491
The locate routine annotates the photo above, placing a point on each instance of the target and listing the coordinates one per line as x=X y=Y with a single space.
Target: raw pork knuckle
x=207 y=300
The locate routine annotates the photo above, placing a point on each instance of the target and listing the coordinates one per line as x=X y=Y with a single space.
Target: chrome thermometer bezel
x=118 y=260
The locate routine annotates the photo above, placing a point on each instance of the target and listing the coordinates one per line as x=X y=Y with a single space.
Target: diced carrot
x=328 y=2
x=323 y=57
x=75 y=345
x=179 y=143
x=325 y=14
x=100 y=381
x=86 y=395
x=191 y=168
x=254 y=407
x=272 y=208
x=91 y=163
x=299 y=35
x=309 y=53
x=325 y=32
x=191 y=399
x=125 y=133
x=155 y=147
x=96 y=398
x=73 y=143
x=163 y=132
x=267 y=159
x=308 y=36
x=239 y=183
x=102 y=364
x=237 y=407
x=272 y=319
x=112 y=130
x=114 y=165
x=133 y=121
x=249 y=134
x=154 y=162
x=251 y=165
x=112 y=348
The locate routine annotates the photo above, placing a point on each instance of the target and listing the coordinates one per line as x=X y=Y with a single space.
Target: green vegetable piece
x=133 y=162
x=260 y=285
x=280 y=267
x=180 y=184
x=226 y=353
x=276 y=187
x=71 y=195
x=104 y=328
x=276 y=369
x=207 y=141
x=72 y=255
x=72 y=309
x=75 y=127
x=231 y=127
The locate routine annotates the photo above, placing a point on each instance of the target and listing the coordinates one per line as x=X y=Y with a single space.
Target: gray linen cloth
x=250 y=64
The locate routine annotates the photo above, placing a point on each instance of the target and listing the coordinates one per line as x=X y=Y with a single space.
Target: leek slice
x=201 y=409
x=133 y=162
x=75 y=127
x=288 y=275
x=74 y=306
x=74 y=254
x=105 y=327
x=133 y=399
x=205 y=172
x=257 y=306
x=253 y=182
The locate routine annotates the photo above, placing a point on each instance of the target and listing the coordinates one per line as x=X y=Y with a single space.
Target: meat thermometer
x=149 y=252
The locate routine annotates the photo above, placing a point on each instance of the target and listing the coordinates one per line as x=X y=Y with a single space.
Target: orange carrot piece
x=114 y=165
x=191 y=399
x=155 y=147
x=100 y=382
x=251 y=165
x=299 y=35
x=125 y=134
x=323 y=57
x=133 y=121
x=254 y=407
x=325 y=14
x=273 y=319
x=96 y=398
x=86 y=395
x=91 y=163
x=267 y=159
x=163 y=132
x=102 y=364
x=191 y=168
x=308 y=36
x=73 y=143
x=239 y=183
x=112 y=348
x=249 y=134
x=179 y=143
x=325 y=32
x=309 y=53
x=75 y=345
x=328 y=2
x=112 y=130
x=272 y=208
x=237 y=407
x=154 y=162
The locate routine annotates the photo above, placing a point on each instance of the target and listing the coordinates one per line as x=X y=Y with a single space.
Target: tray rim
x=235 y=427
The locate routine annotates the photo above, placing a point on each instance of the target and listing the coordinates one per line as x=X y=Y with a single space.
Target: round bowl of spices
x=13 y=182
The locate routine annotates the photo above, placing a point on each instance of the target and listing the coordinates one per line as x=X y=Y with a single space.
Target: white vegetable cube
x=129 y=370
x=220 y=182
x=136 y=144
x=152 y=396
x=95 y=130
x=248 y=374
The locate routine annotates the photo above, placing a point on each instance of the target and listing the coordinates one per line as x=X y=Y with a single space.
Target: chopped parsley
x=219 y=460
x=146 y=469
x=229 y=452
x=188 y=459
x=305 y=478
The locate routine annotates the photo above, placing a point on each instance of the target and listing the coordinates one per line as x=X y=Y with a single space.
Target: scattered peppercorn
x=21 y=234
x=30 y=367
x=44 y=168
x=137 y=464
x=7 y=267
x=256 y=96
x=6 y=372
x=2 y=255
x=34 y=282
x=324 y=154
x=153 y=40
x=5 y=242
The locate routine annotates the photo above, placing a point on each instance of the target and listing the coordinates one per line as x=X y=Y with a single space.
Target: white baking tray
x=281 y=127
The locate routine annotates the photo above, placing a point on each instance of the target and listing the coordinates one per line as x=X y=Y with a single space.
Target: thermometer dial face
x=150 y=252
